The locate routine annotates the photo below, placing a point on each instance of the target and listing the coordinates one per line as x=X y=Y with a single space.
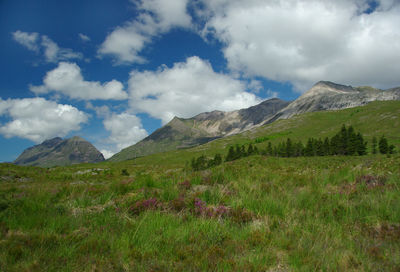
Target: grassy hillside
x=375 y=119
x=254 y=214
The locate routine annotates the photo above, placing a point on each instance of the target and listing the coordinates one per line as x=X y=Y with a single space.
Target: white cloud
x=29 y=40
x=84 y=38
x=307 y=41
x=186 y=89
x=126 y=129
x=41 y=43
x=156 y=17
x=68 y=80
x=38 y=119
x=53 y=53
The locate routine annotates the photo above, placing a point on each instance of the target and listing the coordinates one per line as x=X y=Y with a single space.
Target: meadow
x=258 y=213
x=254 y=214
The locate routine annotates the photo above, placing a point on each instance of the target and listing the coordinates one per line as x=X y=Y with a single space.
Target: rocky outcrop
x=327 y=95
x=59 y=152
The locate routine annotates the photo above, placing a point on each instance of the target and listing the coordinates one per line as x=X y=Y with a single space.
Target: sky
x=113 y=71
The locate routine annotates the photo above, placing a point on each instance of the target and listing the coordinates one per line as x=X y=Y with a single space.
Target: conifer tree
x=289 y=148
x=361 y=145
x=250 y=150
x=352 y=141
x=231 y=154
x=383 y=145
x=342 y=148
x=327 y=147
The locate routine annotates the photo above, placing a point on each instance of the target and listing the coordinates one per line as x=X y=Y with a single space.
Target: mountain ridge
x=208 y=126
x=59 y=152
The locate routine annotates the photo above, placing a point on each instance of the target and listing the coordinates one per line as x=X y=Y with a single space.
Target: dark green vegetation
x=256 y=213
x=60 y=152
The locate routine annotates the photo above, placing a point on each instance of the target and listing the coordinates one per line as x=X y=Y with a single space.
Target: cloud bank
x=38 y=119
x=68 y=80
x=186 y=89
x=303 y=42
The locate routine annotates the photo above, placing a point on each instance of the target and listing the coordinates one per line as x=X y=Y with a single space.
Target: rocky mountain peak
x=60 y=152
x=327 y=87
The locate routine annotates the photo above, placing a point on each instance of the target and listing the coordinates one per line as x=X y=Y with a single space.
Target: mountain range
x=205 y=127
x=60 y=152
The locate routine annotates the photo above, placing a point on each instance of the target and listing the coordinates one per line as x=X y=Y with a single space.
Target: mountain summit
x=60 y=152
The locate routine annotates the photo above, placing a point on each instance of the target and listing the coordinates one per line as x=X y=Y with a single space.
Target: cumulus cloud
x=38 y=119
x=186 y=89
x=68 y=80
x=41 y=43
x=309 y=40
x=156 y=17
x=126 y=129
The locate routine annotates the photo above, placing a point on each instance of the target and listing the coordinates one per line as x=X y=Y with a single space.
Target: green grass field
x=258 y=213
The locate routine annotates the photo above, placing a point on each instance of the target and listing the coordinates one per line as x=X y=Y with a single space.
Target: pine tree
x=289 y=148
x=361 y=145
x=217 y=159
x=352 y=141
x=343 y=142
x=231 y=154
x=326 y=147
x=335 y=145
x=309 y=150
x=383 y=145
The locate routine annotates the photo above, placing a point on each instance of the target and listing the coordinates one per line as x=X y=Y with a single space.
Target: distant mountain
x=327 y=95
x=182 y=133
x=59 y=152
x=202 y=128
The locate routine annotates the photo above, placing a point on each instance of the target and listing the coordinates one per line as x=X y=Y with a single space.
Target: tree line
x=346 y=142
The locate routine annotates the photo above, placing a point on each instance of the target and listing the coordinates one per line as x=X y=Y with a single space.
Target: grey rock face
x=327 y=95
x=59 y=152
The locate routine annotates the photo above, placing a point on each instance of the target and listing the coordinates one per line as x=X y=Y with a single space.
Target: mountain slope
x=200 y=129
x=327 y=95
x=60 y=152
x=182 y=133
x=374 y=119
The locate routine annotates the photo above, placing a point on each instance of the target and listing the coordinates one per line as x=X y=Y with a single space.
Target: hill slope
x=60 y=152
x=374 y=119
x=200 y=129
x=183 y=133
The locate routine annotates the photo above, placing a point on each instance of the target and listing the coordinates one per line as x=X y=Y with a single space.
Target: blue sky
x=114 y=71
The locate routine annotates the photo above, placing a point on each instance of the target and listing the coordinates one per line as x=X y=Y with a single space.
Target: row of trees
x=346 y=142
x=202 y=162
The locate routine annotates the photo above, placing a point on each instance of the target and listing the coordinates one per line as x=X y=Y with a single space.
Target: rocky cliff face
x=59 y=152
x=202 y=128
x=327 y=95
